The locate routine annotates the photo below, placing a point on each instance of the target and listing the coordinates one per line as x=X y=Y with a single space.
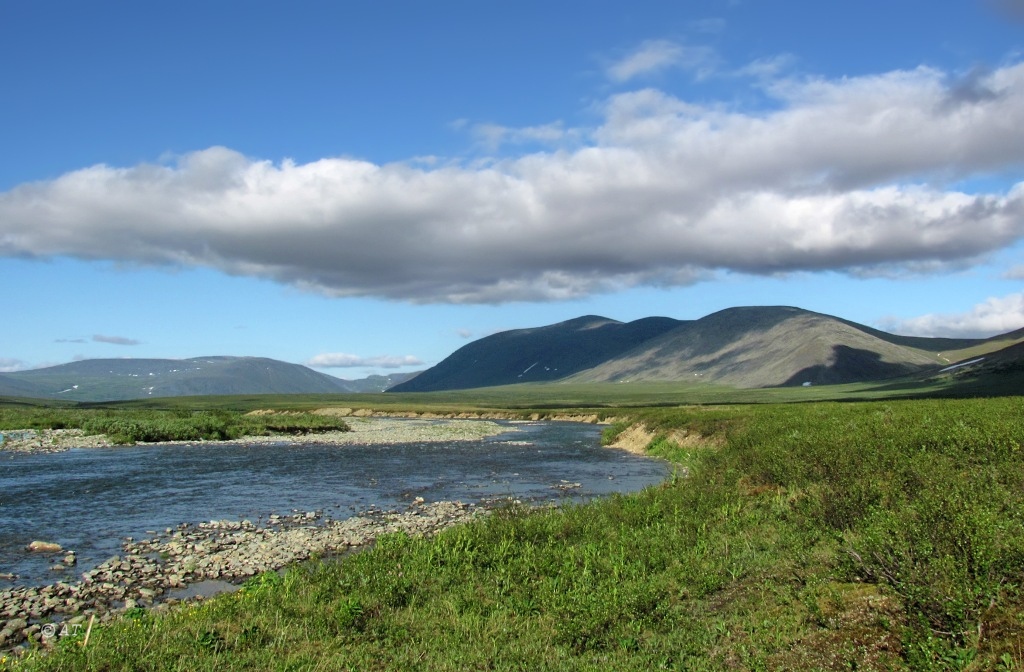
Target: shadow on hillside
x=850 y=365
x=1000 y=380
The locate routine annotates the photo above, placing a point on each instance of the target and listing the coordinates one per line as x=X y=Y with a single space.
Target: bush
x=152 y=426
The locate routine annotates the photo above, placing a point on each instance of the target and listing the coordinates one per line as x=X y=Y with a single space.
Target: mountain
x=378 y=383
x=747 y=347
x=10 y=387
x=535 y=355
x=767 y=347
x=115 y=379
x=762 y=346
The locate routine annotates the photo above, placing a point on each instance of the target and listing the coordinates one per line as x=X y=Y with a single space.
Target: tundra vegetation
x=883 y=535
x=125 y=426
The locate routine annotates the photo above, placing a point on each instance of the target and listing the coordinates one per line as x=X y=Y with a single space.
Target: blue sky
x=364 y=187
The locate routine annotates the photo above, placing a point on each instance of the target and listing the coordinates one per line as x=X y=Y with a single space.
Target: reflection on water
x=87 y=500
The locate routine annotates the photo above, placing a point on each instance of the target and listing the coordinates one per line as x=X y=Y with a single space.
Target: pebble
x=225 y=550
x=50 y=440
x=383 y=427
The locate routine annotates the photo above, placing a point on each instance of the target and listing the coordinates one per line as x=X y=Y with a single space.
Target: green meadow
x=863 y=535
x=130 y=425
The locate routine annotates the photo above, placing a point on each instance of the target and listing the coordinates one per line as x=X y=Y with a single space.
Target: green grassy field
x=128 y=424
x=836 y=536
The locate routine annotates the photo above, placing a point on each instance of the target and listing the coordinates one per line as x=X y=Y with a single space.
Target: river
x=89 y=499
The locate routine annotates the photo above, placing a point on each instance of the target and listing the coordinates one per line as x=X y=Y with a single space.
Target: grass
x=872 y=535
x=135 y=425
x=605 y=398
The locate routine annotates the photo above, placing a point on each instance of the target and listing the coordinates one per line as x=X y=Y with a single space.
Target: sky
x=364 y=188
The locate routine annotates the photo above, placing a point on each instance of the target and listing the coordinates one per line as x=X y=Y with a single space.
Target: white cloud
x=492 y=136
x=767 y=69
x=8 y=365
x=839 y=176
x=655 y=55
x=994 y=316
x=1015 y=273
x=341 y=360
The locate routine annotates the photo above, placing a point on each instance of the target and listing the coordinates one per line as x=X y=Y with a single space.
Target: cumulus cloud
x=115 y=340
x=841 y=174
x=1015 y=273
x=994 y=316
x=972 y=87
x=341 y=360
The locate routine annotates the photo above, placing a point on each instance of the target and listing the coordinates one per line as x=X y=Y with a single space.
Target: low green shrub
x=127 y=426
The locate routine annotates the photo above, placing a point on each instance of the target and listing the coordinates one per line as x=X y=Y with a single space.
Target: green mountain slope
x=115 y=379
x=537 y=355
x=746 y=347
x=12 y=387
x=766 y=347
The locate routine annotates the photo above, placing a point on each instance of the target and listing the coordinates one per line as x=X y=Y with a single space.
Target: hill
x=542 y=354
x=746 y=347
x=767 y=347
x=117 y=379
x=377 y=383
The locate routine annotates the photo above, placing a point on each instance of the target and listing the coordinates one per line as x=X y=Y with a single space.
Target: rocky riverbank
x=176 y=563
x=49 y=440
x=150 y=571
x=365 y=430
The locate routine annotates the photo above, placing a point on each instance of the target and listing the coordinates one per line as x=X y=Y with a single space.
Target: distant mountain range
x=741 y=347
x=116 y=379
x=747 y=347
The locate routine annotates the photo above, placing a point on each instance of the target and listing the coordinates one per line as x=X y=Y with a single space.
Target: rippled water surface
x=87 y=500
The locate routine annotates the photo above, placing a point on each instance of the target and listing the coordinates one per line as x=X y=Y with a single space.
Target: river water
x=89 y=499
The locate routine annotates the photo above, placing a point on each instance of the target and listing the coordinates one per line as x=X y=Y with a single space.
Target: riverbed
x=89 y=500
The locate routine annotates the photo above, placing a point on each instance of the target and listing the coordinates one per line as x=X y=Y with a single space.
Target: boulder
x=43 y=547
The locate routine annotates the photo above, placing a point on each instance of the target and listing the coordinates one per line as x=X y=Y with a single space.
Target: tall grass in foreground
x=824 y=536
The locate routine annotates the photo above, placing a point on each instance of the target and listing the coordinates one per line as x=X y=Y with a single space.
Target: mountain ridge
x=742 y=347
x=136 y=378
x=745 y=347
x=527 y=355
